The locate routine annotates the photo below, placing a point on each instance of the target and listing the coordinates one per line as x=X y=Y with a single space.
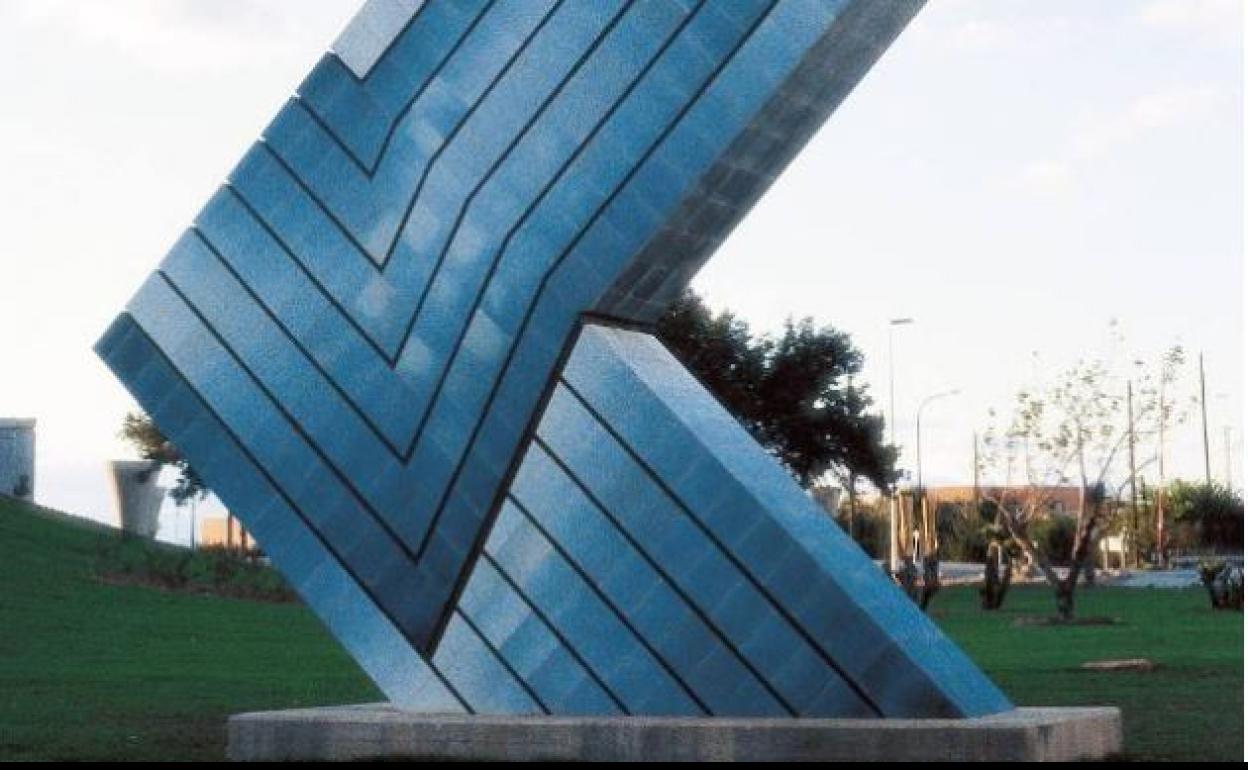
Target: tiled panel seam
x=837 y=82
x=405 y=454
x=640 y=326
x=344 y=563
x=369 y=169
x=506 y=664
x=593 y=587
x=539 y=295
x=702 y=617
x=347 y=482
x=259 y=467
x=427 y=411
x=351 y=403
x=392 y=358
x=555 y=632
x=501 y=252
x=501 y=493
x=471 y=199
x=299 y=265
x=731 y=557
x=433 y=159
x=381 y=56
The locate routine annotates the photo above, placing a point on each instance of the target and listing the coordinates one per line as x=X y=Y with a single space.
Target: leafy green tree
x=1215 y=512
x=793 y=392
x=138 y=429
x=1074 y=432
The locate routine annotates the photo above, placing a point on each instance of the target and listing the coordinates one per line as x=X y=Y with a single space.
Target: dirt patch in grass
x=1029 y=621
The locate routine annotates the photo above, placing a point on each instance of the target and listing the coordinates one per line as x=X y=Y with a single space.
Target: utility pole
x=1160 y=492
x=1135 y=514
x=1204 y=421
x=918 y=434
x=975 y=469
x=892 y=394
x=1226 y=441
x=892 y=439
x=853 y=477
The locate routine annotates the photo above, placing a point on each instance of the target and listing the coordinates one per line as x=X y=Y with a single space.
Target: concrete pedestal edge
x=380 y=731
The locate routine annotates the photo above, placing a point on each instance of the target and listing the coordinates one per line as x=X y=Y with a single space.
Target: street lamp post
x=892 y=397
x=1226 y=441
x=1204 y=421
x=892 y=439
x=918 y=432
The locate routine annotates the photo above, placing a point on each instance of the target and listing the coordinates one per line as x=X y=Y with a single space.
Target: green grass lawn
x=90 y=670
x=1189 y=708
x=95 y=671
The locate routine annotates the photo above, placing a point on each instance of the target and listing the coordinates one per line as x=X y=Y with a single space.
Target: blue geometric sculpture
x=405 y=344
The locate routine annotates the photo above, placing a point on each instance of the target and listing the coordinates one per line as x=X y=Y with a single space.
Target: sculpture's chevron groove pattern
x=723 y=531
x=356 y=340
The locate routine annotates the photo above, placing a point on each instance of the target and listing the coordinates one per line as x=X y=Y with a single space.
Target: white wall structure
x=17 y=458
x=138 y=497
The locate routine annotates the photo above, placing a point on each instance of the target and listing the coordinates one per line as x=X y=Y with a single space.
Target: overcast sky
x=1013 y=175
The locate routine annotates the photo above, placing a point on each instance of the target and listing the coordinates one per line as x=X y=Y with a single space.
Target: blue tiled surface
x=759 y=527
x=355 y=339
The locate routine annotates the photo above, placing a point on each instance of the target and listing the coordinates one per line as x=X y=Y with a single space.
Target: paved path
x=969 y=573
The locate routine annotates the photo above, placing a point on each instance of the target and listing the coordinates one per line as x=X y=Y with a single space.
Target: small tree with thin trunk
x=1074 y=432
x=141 y=432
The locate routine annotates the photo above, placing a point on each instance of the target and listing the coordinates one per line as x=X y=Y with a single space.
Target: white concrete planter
x=138 y=497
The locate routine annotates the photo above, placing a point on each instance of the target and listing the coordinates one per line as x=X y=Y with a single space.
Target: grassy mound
x=94 y=668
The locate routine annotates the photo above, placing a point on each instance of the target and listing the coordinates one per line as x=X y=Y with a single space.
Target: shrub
x=1213 y=513
x=1055 y=536
x=208 y=570
x=1225 y=583
x=962 y=533
x=870 y=531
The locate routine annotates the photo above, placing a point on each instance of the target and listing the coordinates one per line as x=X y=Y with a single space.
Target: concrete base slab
x=380 y=731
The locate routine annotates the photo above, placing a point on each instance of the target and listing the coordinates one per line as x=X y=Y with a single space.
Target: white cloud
x=184 y=34
x=1097 y=135
x=983 y=35
x=1214 y=20
x=1049 y=176
x=984 y=28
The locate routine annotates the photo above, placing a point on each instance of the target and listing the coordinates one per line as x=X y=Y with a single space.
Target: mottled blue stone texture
x=393 y=345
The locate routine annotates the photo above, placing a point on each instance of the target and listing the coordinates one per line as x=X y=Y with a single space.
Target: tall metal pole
x=918 y=450
x=1160 y=492
x=975 y=468
x=1204 y=420
x=1135 y=514
x=892 y=393
x=918 y=433
x=892 y=439
x=1226 y=440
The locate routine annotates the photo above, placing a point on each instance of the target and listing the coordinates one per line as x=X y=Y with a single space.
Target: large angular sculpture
x=406 y=344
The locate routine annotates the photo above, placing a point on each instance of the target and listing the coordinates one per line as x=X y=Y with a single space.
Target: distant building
x=1060 y=500
x=214 y=532
x=17 y=459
